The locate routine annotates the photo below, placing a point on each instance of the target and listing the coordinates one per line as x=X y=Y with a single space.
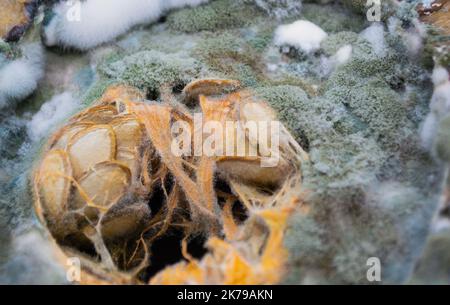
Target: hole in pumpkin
x=153 y=95
x=167 y=251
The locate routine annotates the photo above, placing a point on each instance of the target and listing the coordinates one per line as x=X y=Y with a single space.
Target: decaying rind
x=95 y=186
x=15 y=18
x=209 y=87
x=53 y=182
x=437 y=14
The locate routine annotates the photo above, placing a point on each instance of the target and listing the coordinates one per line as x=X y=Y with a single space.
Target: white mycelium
x=19 y=78
x=375 y=35
x=87 y=24
x=302 y=34
x=439 y=105
x=58 y=108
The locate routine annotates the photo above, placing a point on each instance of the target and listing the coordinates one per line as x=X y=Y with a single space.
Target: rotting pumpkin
x=95 y=190
x=15 y=18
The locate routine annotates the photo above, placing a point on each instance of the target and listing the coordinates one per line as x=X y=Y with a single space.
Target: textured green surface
x=371 y=187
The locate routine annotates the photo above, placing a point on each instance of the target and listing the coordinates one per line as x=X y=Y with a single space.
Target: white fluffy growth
x=440 y=101
x=440 y=224
x=34 y=260
x=101 y=21
x=428 y=130
x=19 y=78
x=413 y=42
x=343 y=55
x=375 y=35
x=58 y=108
x=171 y=4
x=302 y=34
x=427 y=3
x=413 y=37
x=439 y=76
x=439 y=106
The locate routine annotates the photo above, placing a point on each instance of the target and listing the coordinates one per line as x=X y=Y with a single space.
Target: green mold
x=221 y=14
x=334 y=42
x=149 y=70
x=229 y=55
